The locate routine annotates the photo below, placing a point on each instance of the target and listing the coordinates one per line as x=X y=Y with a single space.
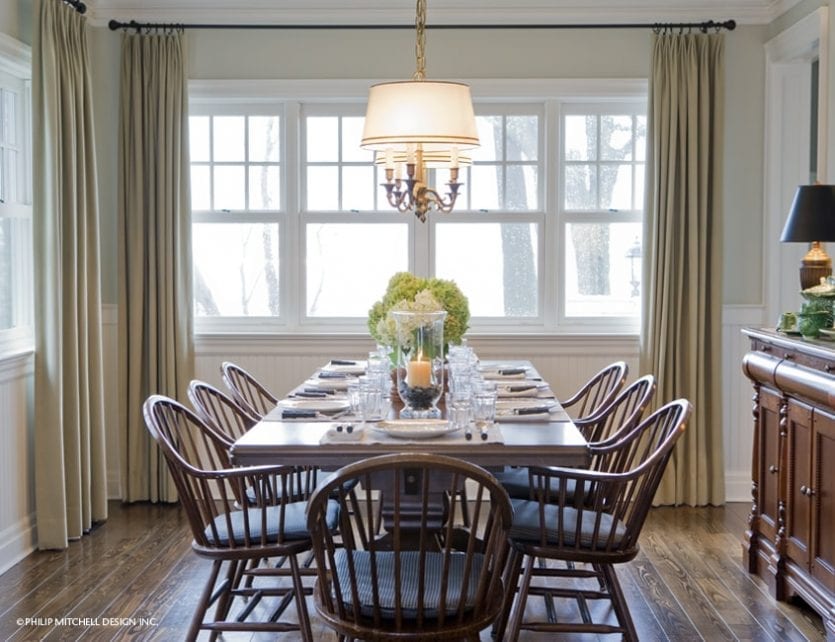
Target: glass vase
x=419 y=356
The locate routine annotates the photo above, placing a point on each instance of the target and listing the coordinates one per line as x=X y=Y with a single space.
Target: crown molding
x=401 y=12
x=15 y=57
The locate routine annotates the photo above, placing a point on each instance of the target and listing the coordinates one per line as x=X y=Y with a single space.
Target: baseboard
x=738 y=486
x=16 y=542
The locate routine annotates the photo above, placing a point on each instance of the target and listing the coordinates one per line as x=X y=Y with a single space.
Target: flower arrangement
x=409 y=293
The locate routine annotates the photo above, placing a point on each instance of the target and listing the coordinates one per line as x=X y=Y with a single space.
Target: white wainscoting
x=737 y=420
x=17 y=487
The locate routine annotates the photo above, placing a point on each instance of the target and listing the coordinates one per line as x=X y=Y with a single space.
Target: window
x=603 y=155
x=292 y=229
x=15 y=213
x=236 y=191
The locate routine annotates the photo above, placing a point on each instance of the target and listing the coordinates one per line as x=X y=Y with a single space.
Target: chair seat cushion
x=409 y=573
x=526 y=526
x=516 y=482
x=295 y=524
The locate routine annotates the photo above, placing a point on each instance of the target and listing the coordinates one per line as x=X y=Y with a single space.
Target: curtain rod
x=704 y=27
x=78 y=5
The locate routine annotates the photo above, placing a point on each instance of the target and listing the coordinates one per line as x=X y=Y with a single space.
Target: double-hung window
x=238 y=218
x=293 y=232
x=600 y=208
x=15 y=207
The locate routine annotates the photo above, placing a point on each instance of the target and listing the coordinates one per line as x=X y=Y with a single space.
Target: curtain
x=680 y=334
x=69 y=437
x=155 y=305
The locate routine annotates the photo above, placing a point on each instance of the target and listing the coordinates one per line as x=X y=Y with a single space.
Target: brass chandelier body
x=417 y=125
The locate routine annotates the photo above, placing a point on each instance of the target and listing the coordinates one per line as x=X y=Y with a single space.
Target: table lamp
x=812 y=220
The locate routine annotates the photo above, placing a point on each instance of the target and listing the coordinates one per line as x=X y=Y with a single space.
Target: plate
x=828 y=333
x=416 y=428
x=328 y=384
x=322 y=405
x=356 y=368
x=791 y=333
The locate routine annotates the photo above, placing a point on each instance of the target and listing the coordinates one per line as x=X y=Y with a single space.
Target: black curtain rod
x=704 y=27
x=78 y=5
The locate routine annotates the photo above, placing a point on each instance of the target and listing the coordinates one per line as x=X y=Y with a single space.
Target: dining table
x=514 y=440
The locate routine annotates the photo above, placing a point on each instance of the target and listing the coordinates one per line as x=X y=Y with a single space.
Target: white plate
x=322 y=405
x=328 y=384
x=416 y=428
x=357 y=368
x=525 y=402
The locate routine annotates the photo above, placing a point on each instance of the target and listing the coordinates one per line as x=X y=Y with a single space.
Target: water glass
x=484 y=406
x=353 y=393
x=370 y=403
x=459 y=410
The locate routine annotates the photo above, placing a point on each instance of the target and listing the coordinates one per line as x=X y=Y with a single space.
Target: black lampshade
x=812 y=214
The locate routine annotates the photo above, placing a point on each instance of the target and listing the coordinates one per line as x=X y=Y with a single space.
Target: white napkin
x=334 y=436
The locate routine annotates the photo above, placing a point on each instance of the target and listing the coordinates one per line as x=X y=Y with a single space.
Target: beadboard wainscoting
x=737 y=418
x=17 y=484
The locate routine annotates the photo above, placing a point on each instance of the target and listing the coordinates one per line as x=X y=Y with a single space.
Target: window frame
x=15 y=68
x=566 y=217
x=327 y=97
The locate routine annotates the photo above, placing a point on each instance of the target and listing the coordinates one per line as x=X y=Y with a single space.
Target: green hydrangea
x=406 y=291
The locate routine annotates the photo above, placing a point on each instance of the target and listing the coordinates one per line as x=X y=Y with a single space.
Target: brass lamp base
x=814 y=266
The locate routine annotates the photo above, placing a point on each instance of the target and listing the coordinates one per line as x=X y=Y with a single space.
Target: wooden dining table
x=555 y=442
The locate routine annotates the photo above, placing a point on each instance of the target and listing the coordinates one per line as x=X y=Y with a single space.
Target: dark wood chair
x=247 y=391
x=425 y=578
x=591 y=517
x=273 y=525
x=225 y=415
x=604 y=428
x=598 y=392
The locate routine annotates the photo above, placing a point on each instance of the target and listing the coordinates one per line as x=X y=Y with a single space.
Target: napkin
x=526 y=390
x=332 y=435
x=298 y=413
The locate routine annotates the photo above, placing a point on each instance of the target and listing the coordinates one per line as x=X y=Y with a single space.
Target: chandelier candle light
x=418 y=125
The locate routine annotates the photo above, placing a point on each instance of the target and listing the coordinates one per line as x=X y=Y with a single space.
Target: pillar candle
x=419 y=374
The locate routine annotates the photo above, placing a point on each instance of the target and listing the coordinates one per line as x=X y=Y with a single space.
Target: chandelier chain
x=420 y=45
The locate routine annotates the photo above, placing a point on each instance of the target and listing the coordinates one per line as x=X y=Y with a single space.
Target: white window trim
x=16 y=61
x=546 y=92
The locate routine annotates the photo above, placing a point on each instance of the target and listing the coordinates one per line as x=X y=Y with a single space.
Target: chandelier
x=416 y=125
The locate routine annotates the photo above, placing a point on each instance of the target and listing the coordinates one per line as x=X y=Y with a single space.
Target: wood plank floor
x=135 y=577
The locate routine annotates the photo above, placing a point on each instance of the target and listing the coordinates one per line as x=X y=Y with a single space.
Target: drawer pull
x=829 y=368
x=788 y=356
x=809 y=492
x=773 y=469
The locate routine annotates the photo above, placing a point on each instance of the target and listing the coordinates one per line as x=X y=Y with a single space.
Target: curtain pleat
x=681 y=331
x=155 y=305
x=70 y=466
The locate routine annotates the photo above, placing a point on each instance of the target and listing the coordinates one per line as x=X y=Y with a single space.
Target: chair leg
x=224 y=602
x=521 y=599
x=512 y=571
x=203 y=604
x=301 y=604
x=619 y=602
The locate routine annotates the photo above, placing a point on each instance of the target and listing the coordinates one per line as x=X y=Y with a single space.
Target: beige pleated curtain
x=680 y=337
x=70 y=467
x=155 y=314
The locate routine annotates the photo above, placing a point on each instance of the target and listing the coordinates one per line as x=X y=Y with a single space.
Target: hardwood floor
x=135 y=577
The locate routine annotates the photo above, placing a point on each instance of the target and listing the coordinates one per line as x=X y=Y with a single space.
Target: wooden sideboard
x=790 y=541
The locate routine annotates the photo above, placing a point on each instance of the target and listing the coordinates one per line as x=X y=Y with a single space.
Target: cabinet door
x=768 y=461
x=798 y=480
x=822 y=500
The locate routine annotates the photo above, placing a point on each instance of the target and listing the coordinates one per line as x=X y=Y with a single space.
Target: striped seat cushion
x=409 y=574
x=526 y=525
x=295 y=523
x=516 y=482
